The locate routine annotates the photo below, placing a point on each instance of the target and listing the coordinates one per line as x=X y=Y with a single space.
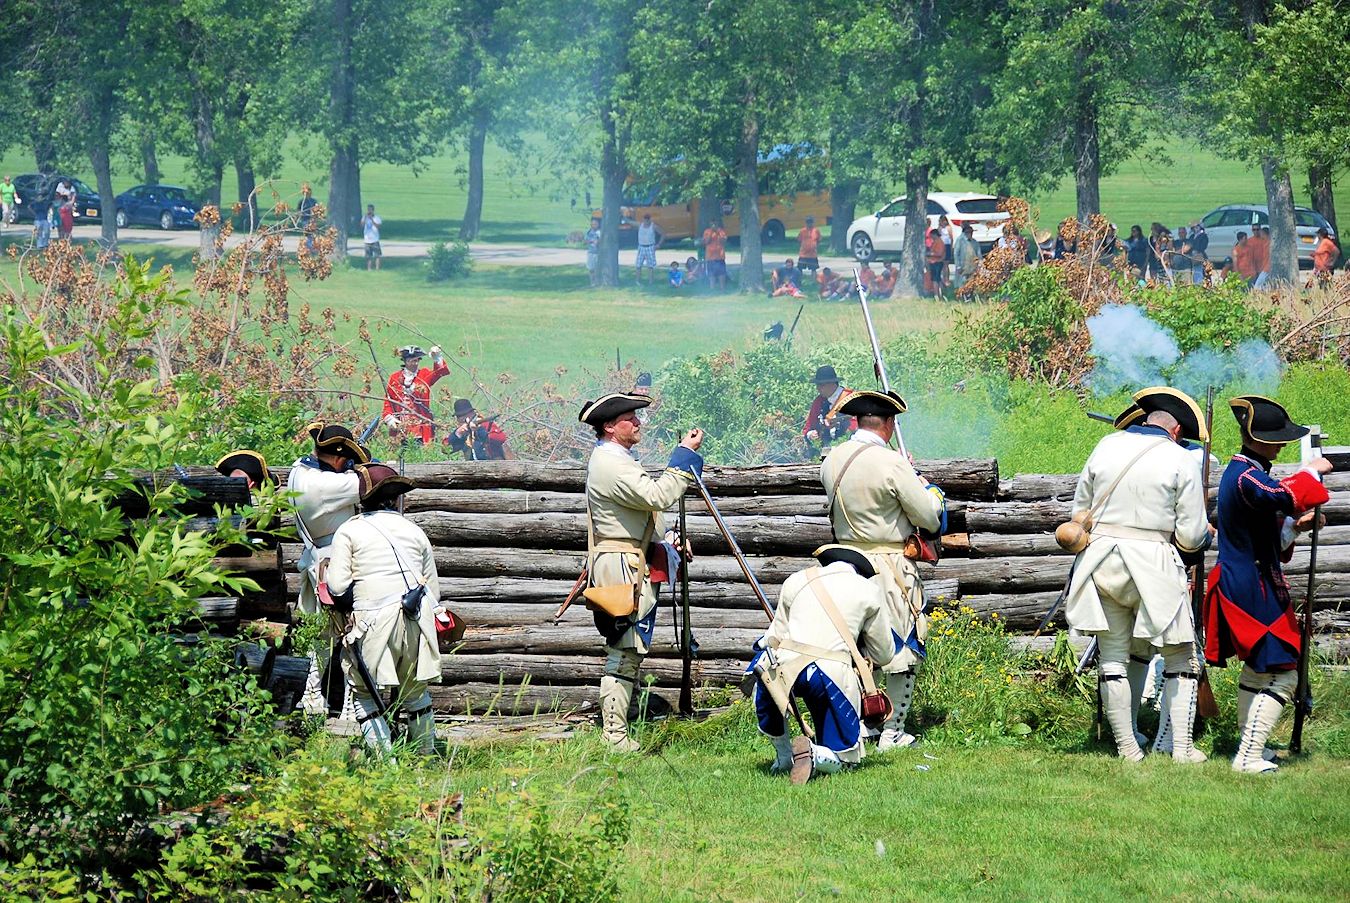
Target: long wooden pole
x=686 y=705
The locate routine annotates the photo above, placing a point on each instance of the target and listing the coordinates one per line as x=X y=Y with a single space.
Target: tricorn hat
x=1179 y=405
x=608 y=407
x=1264 y=420
x=409 y=352
x=379 y=483
x=873 y=404
x=825 y=374
x=463 y=406
x=1129 y=417
x=250 y=462
x=337 y=440
x=829 y=554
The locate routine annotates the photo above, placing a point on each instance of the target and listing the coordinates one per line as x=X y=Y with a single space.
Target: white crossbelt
x=1120 y=531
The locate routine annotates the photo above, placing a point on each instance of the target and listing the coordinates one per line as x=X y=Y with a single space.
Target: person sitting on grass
x=884 y=286
x=694 y=271
x=827 y=281
x=787 y=280
x=675 y=274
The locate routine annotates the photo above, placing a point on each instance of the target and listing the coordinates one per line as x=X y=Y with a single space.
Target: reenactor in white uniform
x=877 y=503
x=382 y=575
x=1140 y=492
x=326 y=494
x=830 y=619
x=623 y=513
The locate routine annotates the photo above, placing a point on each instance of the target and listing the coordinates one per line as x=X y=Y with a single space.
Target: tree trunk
x=843 y=208
x=1087 y=162
x=243 y=171
x=211 y=195
x=916 y=225
x=344 y=191
x=149 y=159
x=1283 y=232
x=44 y=153
x=709 y=209
x=98 y=159
x=204 y=131
x=747 y=200
x=1319 y=187
x=473 y=207
x=613 y=171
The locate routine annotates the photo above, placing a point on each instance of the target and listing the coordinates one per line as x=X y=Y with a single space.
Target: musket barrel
x=735 y=547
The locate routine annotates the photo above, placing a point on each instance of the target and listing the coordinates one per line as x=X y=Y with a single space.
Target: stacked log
x=509 y=540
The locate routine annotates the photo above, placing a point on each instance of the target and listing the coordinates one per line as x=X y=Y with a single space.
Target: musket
x=878 y=365
x=686 y=705
x=1302 y=691
x=755 y=586
x=358 y=663
x=1059 y=601
x=1104 y=418
x=374 y=423
x=571 y=596
x=1205 y=706
x=788 y=341
x=1086 y=661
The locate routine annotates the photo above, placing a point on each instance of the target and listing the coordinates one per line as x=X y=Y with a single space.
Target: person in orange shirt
x=808 y=245
x=935 y=255
x=885 y=282
x=867 y=278
x=1244 y=254
x=1260 y=242
x=1324 y=255
x=715 y=253
x=407 y=397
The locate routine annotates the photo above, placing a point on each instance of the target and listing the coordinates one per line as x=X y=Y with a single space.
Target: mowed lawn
x=525 y=204
x=710 y=823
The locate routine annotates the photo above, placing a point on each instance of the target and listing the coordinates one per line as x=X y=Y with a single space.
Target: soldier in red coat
x=407 y=397
x=1248 y=609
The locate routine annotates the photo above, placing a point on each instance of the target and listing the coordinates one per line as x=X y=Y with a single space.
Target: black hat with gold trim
x=1129 y=417
x=379 y=483
x=332 y=439
x=866 y=403
x=250 y=462
x=608 y=407
x=829 y=554
x=410 y=353
x=1264 y=420
x=1177 y=403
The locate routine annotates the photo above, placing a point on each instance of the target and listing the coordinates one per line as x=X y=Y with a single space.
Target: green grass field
x=1185 y=182
x=998 y=823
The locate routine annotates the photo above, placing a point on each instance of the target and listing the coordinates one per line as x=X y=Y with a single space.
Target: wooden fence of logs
x=509 y=539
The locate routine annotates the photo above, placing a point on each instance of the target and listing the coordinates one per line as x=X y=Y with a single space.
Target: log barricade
x=509 y=541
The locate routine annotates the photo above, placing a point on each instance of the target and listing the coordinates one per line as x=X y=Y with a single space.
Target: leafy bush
x=105 y=720
x=1036 y=332
x=1206 y=317
x=447 y=261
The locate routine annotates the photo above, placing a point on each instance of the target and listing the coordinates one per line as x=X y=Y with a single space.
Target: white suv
x=883 y=233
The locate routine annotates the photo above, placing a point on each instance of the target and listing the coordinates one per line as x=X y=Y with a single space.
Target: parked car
x=166 y=206
x=30 y=185
x=883 y=233
x=1224 y=223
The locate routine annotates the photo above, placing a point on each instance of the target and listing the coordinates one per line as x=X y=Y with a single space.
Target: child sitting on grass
x=675 y=274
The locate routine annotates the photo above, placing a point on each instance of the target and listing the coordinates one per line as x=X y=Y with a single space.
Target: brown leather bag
x=618 y=600
x=876 y=705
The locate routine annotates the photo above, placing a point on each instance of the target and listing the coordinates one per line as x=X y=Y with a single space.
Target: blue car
x=166 y=206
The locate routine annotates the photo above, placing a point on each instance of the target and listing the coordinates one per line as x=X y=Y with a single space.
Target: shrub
x=448 y=261
x=1206 y=317
x=1037 y=331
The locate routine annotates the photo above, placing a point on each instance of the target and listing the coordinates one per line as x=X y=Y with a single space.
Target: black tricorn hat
x=463 y=406
x=1129 y=417
x=607 y=407
x=1264 y=420
x=250 y=462
x=332 y=439
x=379 y=483
x=873 y=404
x=829 y=554
x=1179 y=405
x=408 y=352
x=825 y=374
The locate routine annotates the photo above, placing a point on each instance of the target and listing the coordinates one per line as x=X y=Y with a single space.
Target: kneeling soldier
x=1140 y=492
x=623 y=519
x=383 y=574
x=813 y=650
x=1248 y=611
x=877 y=503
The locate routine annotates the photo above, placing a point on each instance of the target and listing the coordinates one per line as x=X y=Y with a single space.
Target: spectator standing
x=1181 y=257
x=965 y=256
x=947 y=232
x=65 y=221
x=808 y=247
x=8 y=214
x=649 y=238
x=1159 y=250
x=1110 y=245
x=1261 y=255
x=307 y=221
x=1244 y=258
x=42 y=212
x=935 y=255
x=787 y=280
x=715 y=253
x=1199 y=252
x=1137 y=252
x=1324 y=255
x=370 y=228
x=1062 y=247
x=65 y=193
x=593 y=251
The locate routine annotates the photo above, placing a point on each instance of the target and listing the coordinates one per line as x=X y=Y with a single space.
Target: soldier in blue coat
x=1248 y=611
